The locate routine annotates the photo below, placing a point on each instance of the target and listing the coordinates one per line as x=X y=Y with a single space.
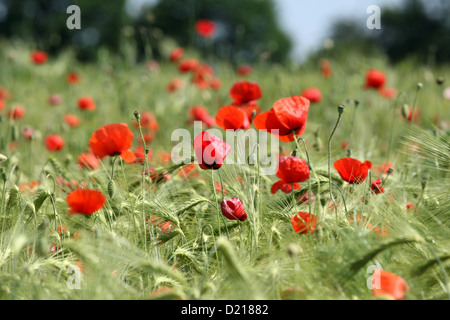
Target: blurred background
x=247 y=31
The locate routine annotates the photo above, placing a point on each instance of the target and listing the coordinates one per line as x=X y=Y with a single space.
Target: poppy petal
x=230 y=118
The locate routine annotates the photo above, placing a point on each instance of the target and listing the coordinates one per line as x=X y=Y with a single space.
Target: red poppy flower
x=187 y=65
x=72 y=120
x=232 y=118
x=375 y=79
x=407 y=114
x=215 y=83
x=388 y=284
x=353 y=171
x=88 y=160
x=410 y=205
x=312 y=94
x=54 y=142
x=244 y=70
x=2 y=104
x=388 y=93
x=176 y=54
x=286 y=116
x=251 y=109
x=376 y=186
x=85 y=201
x=72 y=78
x=175 y=84
x=304 y=223
x=326 y=68
x=291 y=171
x=16 y=112
x=384 y=168
x=200 y=113
x=233 y=209
x=113 y=140
x=139 y=152
x=55 y=99
x=245 y=91
x=361 y=220
x=205 y=28
x=86 y=103
x=27 y=132
x=210 y=151
x=5 y=94
x=39 y=57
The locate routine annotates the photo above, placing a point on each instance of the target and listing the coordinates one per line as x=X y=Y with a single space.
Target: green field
x=190 y=251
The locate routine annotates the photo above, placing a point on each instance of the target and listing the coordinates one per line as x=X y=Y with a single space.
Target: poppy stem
x=311 y=168
x=413 y=116
x=340 y=111
x=219 y=214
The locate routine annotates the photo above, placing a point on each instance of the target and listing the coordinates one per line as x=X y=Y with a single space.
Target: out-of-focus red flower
x=304 y=197
x=210 y=151
x=176 y=54
x=244 y=70
x=205 y=28
x=166 y=227
x=220 y=188
x=312 y=94
x=148 y=121
x=39 y=57
x=187 y=65
x=54 y=142
x=232 y=118
x=407 y=114
x=344 y=145
x=384 y=168
x=16 y=112
x=200 y=113
x=304 y=223
x=291 y=171
x=27 y=132
x=375 y=79
x=244 y=91
x=215 y=83
x=376 y=186
x=388 y=93
x=54 y=99
x=351 y=170
x=326 y=68
x=188 y=171
x=410 y=205
x=362 y=221
x=85 y=201
x=88 y=160
x=287 y=115
x=73 y=78
x=388 y=284
x=156 y=176
x=5 y=94
x=72 y=120
x=153 y=66
x=113 y=140
x=86 y=103
x=175 y=84
x=233 y=209
x=139 y=152
x=29 y=186
x=2 y=104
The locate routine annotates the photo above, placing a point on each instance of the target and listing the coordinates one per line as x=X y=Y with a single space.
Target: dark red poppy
x=113 y=140
x=232 y=118
x=388 y=284
x=16 y=112
x=376 y=186
x=86 y=103
x=375 y=79
x=353 y=171
x=176 y=54
x=200 y=113
x=244 y=91
x=205 y=28
x=244 y=70
x=39 y=57
x=210 y=151
x=73 y=78
x=312 y=94
x=85 y=201
x=291 y=171
x=187 y=65
x=88 y=160
x=54 y=142
x=72 y=120
x=233 y=209
x=287 y=115
x=304 y=223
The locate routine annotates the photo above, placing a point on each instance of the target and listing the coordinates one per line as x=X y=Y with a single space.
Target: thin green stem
x=329 y=159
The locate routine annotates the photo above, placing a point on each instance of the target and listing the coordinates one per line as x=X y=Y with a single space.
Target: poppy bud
x=137 y=115
x=440 y=81
x=294 y=250
x=423 y=182
x=419 y=86
x=233 y=209
x=356 y=103
x=390 y=171
x=111 y=188
x=341 y=108
x=405 y=111
x=3 y=175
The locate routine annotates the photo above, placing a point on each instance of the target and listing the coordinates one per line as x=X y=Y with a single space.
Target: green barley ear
x=13 y=204
x=111 y=188
x=225 y=248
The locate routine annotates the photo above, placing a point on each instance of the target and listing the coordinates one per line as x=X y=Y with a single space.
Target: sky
x=309 y=22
